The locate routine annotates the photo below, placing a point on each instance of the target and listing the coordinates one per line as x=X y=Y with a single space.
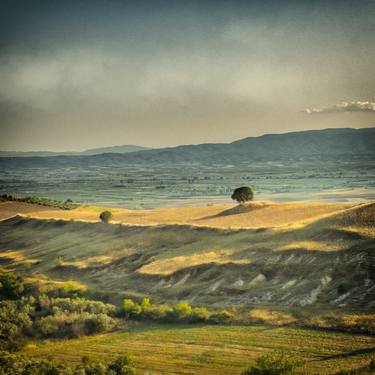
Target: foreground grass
x=186 y=349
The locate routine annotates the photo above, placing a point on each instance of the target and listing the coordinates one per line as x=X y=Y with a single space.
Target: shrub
x=159 y=312
x=131 y=309
x=181 y=312
x=105 y=216
x=221 y=317
x=12 y=364
x=199 y=314
x=15 y=322
x=80 y=305
x=273 y=364
x=11 y=285
x=63 y=324
x=122 y=365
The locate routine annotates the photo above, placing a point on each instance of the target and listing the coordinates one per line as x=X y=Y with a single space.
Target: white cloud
x=353 y=106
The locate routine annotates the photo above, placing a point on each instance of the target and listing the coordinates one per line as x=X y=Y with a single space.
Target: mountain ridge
x=122 y=149
x=342 y=143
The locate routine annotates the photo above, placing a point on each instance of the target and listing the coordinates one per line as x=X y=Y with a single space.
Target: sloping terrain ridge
x=324 y=262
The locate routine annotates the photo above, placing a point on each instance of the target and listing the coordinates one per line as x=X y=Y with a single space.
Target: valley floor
x=194 y=349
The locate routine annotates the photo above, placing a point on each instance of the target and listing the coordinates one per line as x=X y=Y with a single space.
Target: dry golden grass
x=9 y=209
x=16 y=257
x=170 y=265
x=277 y=318
x=46 y=284
x=251 y=215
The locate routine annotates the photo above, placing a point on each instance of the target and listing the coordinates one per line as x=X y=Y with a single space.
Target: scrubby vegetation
x=65 y=205
x=274 y=364
x=12 y=364
x=181 y=312
x=11 y=285
x=30 y=312
x=38 y=315
x=355 y=323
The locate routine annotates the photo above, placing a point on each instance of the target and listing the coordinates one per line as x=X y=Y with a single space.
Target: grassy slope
x=304 y=261
x=214 y=349
x=253 y=215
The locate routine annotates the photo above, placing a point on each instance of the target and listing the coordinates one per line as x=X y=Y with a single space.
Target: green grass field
x=192 y=349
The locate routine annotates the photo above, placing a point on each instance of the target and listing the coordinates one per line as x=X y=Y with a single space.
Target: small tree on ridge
x=243 y=194
x=105 y=216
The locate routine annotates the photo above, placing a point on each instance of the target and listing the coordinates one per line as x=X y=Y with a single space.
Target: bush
x=11 y=285
x=15 y=322
x=273 y=364
x=80 y=305
x=12 y=364
x=221 y=317
x=122 y=365
x=63 y=324
x=105 y=216
x=199 y=314
x=181 y=312
x=131 y=309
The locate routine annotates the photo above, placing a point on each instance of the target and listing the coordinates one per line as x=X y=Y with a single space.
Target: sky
x=80 y=74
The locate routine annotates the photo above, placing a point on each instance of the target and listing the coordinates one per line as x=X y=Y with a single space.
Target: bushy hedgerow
x=63 y=324
x=72 y=317
x=12 y=364
x=65 y=205
x=182 y=312
x=43 y=316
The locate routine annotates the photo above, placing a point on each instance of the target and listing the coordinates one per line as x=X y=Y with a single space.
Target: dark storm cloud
x=168 y=72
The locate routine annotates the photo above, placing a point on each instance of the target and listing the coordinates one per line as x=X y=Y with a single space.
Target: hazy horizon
x=78 y=75
x=176 y=145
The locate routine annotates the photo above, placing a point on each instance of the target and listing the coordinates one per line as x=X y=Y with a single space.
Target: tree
x=122 y=365
x=243 y=194
x=11 y=285
x=131 y=309
x=273 y=364
x=105 y=216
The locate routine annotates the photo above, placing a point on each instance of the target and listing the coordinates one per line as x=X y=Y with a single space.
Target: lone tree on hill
x=242 y=194
x=105 y=216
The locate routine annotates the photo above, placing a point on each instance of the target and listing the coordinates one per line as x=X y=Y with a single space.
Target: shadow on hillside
x=350 y=354
x=237 y=210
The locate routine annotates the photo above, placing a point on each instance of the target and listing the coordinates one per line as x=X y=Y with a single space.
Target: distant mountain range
x=342 y=143
x=93 y=151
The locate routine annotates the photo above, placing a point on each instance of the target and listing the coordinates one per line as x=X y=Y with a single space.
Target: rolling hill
x=285 y=255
